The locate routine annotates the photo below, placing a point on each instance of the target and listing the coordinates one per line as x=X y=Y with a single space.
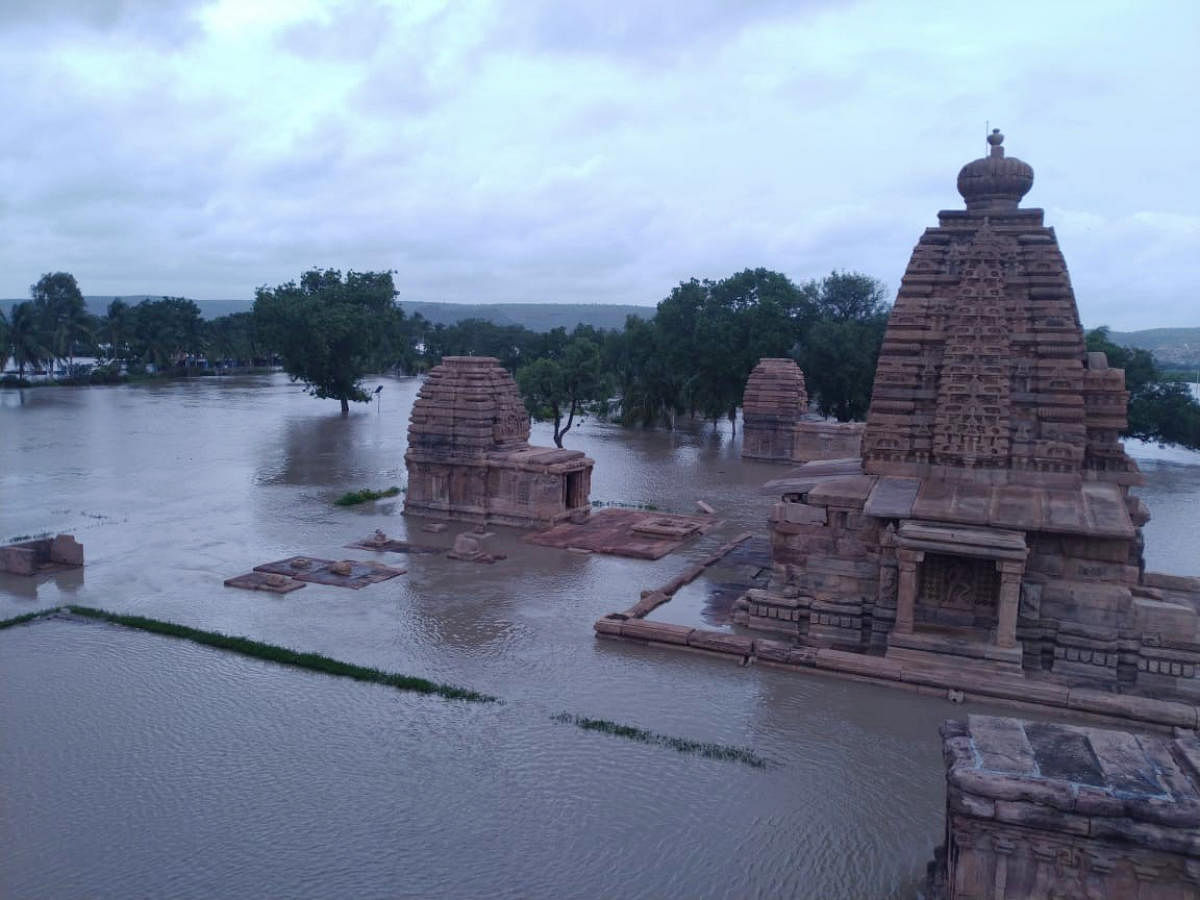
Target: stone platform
x=271 y=582
x=357 y=574
x=626 y=532
x=1040 y=809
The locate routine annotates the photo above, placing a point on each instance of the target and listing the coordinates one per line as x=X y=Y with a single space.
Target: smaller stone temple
x=1041 y=809
x=469 y=456
x=775 y=423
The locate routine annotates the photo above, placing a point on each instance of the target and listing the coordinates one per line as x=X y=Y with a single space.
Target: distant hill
x=98 y=305
x=534 y=316
x=1169 y=346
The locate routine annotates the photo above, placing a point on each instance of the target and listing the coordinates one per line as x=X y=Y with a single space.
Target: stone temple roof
x=775 y=390
x=468 y=406
x=995 y=181
x=983 y=373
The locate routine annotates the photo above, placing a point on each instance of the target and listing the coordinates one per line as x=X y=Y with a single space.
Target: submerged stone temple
x=1042 y=809
x=469 y=456
x=987 y=524
x=774 y=418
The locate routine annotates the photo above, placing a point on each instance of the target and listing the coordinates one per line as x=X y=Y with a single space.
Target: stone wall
x=1051 y=810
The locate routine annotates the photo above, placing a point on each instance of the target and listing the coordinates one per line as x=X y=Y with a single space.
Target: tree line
x=690 y=357
x=51 y=329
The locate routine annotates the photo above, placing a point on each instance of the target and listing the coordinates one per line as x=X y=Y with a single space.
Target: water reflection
x=65 y=583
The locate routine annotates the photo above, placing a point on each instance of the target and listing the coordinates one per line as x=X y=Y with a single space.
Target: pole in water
x=379 y=400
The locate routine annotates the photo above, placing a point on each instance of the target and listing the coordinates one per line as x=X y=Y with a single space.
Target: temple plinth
x=469 y=456
x=987 y=524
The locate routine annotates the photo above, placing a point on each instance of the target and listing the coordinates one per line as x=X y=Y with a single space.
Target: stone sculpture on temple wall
x=469 y=456
x=775 y=421
x=988 y=524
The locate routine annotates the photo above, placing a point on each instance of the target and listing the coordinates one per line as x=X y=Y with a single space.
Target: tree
x=1161 y=411
x=840 y=351
x=554 y=388
x=63 y=314
x=328 y=330
x=26 y=338
x=847 y=296
x=116 y=330
x=167 y=331
x=838 y=360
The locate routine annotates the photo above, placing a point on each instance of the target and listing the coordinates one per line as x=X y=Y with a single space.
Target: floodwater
x=135 y=765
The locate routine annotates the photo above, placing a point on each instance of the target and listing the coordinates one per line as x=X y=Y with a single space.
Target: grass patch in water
x=27 y=617
x=284 y=656
x=353 y=498
x=682 y=745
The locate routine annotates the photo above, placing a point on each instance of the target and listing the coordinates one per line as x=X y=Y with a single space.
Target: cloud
x=546 y=151
x=167 y=21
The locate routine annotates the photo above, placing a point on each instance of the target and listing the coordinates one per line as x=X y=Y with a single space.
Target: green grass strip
x=282 y=655
x=683 y=745
x=353 y=498
x=28 y=617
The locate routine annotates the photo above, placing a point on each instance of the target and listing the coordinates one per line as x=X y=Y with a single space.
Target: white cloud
x=543 y=151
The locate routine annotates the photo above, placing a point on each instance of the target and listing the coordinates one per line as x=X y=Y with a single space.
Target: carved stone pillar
x=906 y=596
x=1009 y=602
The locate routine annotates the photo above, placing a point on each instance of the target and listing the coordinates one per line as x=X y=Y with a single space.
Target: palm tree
x=26 y=338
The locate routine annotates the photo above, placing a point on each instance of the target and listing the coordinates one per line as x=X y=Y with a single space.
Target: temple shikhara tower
x=469 y=456
x=988 y=523
x=775 y=425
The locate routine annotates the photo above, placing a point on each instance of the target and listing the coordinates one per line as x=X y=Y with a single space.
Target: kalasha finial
x=996 y=139
x=995 y=182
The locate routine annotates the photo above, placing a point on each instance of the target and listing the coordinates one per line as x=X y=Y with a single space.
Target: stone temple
x=987 y=524
x=775 y=418
x=469 y=456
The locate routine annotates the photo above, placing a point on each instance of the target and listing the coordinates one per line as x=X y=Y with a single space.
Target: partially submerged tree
x=1161 y=411
x=63 y=317
x=840 y=350
x=330 y=331
x=26 y=338
x=558 y=388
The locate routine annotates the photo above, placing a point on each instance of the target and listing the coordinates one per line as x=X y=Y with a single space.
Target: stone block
x=18 y=560
x=718 y=642
x=66 y=550
x=660 y=632
x=772 y=651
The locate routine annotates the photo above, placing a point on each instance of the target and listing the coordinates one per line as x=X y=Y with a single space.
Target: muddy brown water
x=132 y=764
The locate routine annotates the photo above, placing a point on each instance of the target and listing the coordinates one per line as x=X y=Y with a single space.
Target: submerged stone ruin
x=42 y=555
x=469 y=456
x=1040 y=809
x=774 y=423
x=987 y=526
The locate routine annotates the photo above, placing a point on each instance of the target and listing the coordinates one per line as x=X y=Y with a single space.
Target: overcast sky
x=586 y=151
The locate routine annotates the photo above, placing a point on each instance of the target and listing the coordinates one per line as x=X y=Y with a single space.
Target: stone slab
x=634 y=533
x=892 y=497
x=319 y=571
x=261 y=581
